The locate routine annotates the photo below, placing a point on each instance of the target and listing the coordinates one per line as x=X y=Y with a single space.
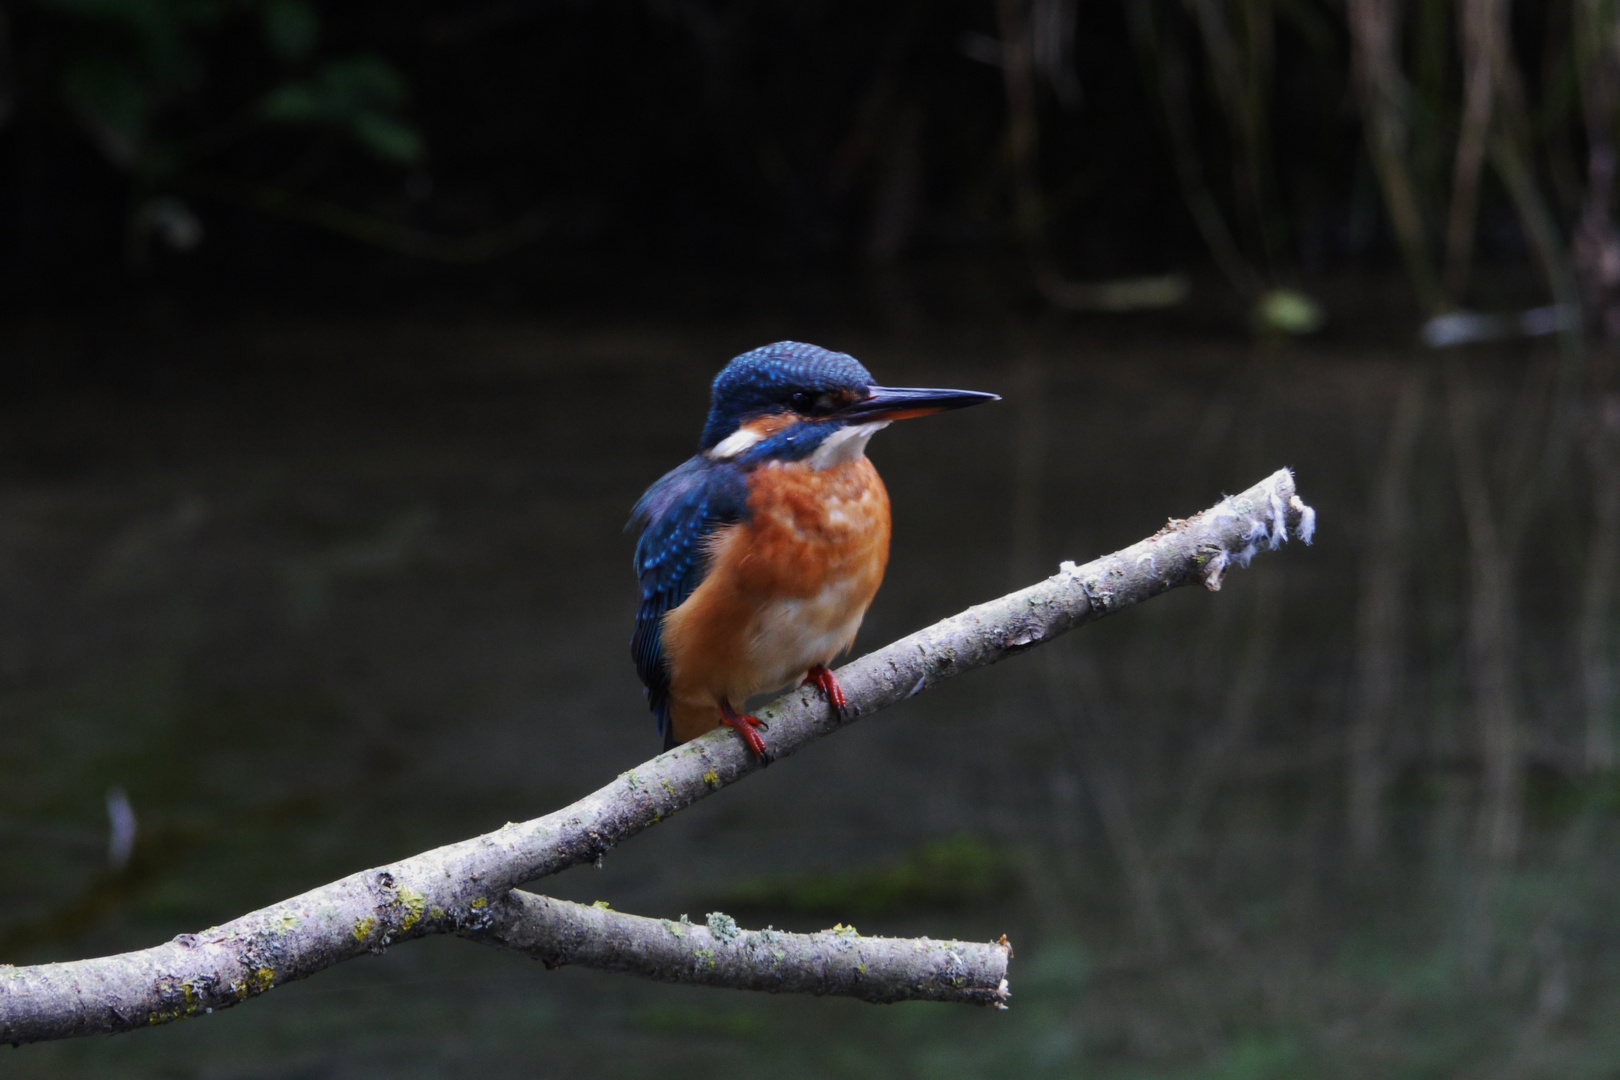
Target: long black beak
x=902 y=403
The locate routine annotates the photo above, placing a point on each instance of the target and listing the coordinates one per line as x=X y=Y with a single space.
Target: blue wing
x=676 y=515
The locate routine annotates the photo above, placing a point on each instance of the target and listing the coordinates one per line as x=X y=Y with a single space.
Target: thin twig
x=1161 y=56
x=1375 y=55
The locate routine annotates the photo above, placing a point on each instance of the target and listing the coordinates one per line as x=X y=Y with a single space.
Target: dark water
x=323 y=596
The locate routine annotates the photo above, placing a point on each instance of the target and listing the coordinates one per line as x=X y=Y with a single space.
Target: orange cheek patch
x=766 y=426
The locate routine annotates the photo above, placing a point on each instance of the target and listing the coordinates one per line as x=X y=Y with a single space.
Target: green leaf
x=358 y=94
x=293 y=103
x=387 y=137
x=364 y=79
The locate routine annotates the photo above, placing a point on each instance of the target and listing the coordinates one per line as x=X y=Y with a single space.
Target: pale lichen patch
x=723 y=926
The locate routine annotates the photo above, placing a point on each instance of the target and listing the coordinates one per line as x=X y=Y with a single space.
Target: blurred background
x=336 y=342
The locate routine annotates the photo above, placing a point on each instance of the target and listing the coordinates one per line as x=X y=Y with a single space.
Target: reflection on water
x=355 y=591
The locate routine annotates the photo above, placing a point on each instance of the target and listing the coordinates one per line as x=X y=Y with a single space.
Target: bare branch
x=460 y=888
x=718 y=953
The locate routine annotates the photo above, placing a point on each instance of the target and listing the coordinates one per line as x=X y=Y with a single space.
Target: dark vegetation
x=557 y=153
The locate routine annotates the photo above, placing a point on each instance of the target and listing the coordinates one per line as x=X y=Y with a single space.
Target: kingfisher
x=759 y=556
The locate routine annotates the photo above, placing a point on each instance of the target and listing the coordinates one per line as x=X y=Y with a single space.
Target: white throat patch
x=844 y=445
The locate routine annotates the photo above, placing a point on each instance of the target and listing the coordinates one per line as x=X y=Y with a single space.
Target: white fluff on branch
x=1264 y=523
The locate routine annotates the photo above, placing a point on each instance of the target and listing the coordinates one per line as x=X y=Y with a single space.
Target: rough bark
x=717 y=952
x=465 y=888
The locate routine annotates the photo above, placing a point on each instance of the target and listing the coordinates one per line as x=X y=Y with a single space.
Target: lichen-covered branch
x=717 y=952
x=460 y=888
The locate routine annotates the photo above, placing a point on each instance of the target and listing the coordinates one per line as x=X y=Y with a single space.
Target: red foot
x=746 y=726
x=821 y=675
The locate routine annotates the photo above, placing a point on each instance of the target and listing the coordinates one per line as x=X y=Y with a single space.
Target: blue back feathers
x=679 y=512
x=676 y=516
x=766 y=380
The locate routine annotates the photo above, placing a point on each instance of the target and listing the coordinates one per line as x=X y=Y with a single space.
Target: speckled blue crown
x=765 y=379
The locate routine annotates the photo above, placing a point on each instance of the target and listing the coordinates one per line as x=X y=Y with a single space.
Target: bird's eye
x=809 y=404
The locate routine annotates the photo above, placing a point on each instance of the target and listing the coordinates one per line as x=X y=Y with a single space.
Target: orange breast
x=786 y=589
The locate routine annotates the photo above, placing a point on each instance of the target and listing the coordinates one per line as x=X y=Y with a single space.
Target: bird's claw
x=821 y=675
x=746 y=726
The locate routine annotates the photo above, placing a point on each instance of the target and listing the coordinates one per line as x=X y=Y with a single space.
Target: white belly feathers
x=788 y=637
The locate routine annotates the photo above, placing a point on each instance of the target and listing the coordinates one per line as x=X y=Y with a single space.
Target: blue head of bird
x=791 y=401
